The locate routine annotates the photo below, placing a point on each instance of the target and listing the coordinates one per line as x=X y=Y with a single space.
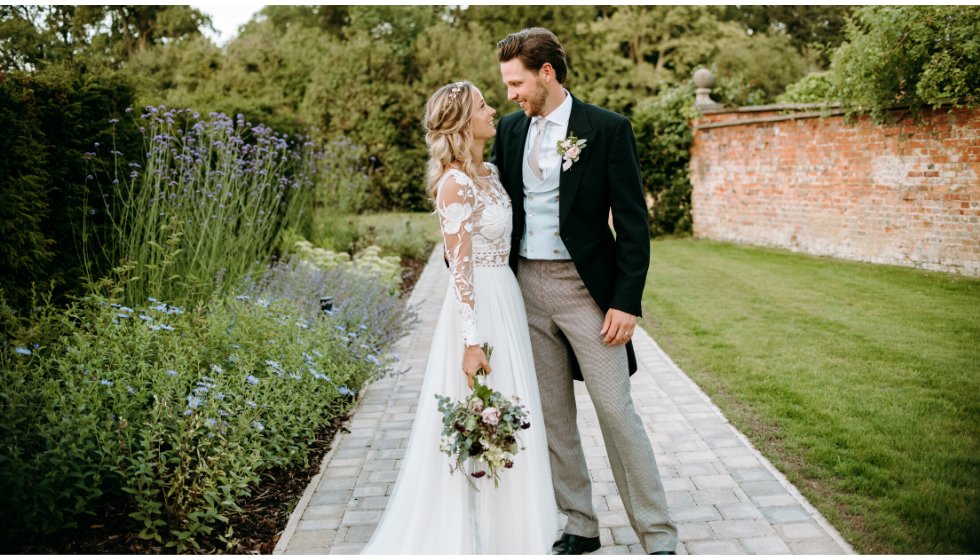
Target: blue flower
x=167 y=328
x=171 y=373
x=373 y=359
x=153 y=300
x=122 y=315
x=212 y=422
x=105 y=382
x=251 y=404
x=193 y=401
x=131 y=391
x=258 y=425
x=252 y=379
x=217 y=369
x=22 y=351
x=317 y=354
x=146 y=317
x=345 y=391
x=126 y=309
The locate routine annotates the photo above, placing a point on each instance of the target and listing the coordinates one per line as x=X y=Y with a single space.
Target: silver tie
x=532 y=156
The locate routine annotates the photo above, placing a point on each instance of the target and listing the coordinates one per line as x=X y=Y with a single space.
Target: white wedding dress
x=430 y=510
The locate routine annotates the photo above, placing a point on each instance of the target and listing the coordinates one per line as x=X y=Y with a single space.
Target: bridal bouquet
x=482 y=427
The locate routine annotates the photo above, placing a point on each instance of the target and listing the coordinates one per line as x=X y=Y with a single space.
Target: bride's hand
x=473 y=361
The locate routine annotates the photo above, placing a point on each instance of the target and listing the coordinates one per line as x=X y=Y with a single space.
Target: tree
x=814 y=31
x=909 y=55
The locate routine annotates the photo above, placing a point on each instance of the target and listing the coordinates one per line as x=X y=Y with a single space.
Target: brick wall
x=906 y=193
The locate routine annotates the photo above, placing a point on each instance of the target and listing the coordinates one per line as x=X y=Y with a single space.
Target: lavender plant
x=179 y=411
x=208 y=204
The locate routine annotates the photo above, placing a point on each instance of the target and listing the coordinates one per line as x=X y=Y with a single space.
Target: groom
x=565 y=164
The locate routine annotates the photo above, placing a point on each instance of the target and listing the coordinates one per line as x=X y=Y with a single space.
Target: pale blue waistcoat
x=541 y=240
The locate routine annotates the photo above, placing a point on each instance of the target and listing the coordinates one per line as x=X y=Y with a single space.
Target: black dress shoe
x=574 y=544
x=663 y=552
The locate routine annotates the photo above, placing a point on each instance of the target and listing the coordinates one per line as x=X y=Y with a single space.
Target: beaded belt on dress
x=491 y=259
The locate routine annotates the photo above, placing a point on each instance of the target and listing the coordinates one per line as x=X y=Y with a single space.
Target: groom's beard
x=536 y=104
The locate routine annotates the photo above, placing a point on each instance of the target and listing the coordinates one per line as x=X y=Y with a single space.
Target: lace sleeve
x=455 y=204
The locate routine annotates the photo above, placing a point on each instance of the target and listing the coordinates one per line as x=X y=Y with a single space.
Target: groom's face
x=524 y=87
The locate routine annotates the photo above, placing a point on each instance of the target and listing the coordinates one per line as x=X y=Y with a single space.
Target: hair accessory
x=455 y=91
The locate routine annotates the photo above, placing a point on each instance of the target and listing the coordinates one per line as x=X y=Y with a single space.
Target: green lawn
x=409 y=234
x=859 y=382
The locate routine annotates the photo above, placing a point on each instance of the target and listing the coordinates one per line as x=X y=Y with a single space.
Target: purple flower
x=22 y=351
x=252 y=379
x=479 y=474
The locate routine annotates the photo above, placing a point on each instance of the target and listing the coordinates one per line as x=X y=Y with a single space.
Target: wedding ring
x=627 y=333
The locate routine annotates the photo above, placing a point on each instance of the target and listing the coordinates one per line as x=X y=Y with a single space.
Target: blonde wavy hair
x=449 y=136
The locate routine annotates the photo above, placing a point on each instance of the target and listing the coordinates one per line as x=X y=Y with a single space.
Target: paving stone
x=690 y=457
x=741 y=528
x=785 y=514
x=765 y=545
x=764 y=488
x=695 y=513
x=715 y=496
x=729 y=546
x=714 y=481
x=367 y=490
x=618 y=550
x=777 y=500
x=695 y=532
x=335 y=484
x=740 y=461
x=311 y=539
x=675 y=484
x=799 y=531
x=751 y=474
x=366 y=517
x=370 y=502
x=318 y=524
x=679 y=498
x=698 y=469
x=824 y=545
x=323 y=498
x=740 y=511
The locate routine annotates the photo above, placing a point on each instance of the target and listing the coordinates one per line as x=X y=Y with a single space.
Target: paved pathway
x=723 y=495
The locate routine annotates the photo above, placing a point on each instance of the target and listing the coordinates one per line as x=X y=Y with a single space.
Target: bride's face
x=481 y=120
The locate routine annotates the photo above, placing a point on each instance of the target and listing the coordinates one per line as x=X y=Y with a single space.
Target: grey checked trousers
x=560 y=313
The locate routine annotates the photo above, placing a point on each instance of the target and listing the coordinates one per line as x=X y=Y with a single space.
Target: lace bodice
x=476 y=224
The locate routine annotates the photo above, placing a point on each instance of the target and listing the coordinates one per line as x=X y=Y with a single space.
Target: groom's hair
x=534 y=47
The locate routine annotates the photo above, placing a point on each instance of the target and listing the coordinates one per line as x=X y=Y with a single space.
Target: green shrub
x=662 y=128
x=909 y=55
x=177 y=412
x=812 y=88
x=50 y=120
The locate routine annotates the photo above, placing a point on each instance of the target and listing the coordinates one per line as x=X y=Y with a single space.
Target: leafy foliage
x=176 y=412
x=662 y=123
x=50 y=120
x=909 y=55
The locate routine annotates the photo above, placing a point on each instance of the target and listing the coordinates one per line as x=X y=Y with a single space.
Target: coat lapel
x=578 y=126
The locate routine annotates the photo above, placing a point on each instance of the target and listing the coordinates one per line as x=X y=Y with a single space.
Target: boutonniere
x=570 y=149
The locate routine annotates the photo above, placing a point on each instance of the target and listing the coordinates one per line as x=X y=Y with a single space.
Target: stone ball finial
x=703 y=78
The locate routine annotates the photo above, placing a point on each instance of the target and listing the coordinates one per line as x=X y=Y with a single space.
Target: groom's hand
x=474 y=359
x=618 y=327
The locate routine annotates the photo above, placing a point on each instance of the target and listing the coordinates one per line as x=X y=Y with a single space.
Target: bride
x=430 y=510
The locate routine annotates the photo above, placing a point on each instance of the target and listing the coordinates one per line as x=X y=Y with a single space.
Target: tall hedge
x=49 y=121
